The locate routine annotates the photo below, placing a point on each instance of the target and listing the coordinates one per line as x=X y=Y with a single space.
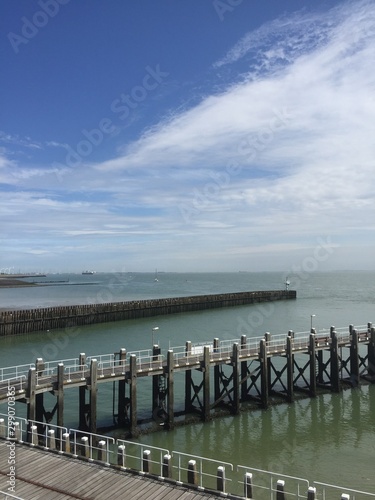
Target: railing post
x=3 y=429
x=192 y=477
x=121 y=455
x=280 y=491
x=85 y=452
x=51 y=440
x=34 y=435
x=248 y=485
x=102 y=452
x=220 y=482
x=17 y=432
x=65 y=442
x=311 y=492
x=146 y=461
x=167 y=466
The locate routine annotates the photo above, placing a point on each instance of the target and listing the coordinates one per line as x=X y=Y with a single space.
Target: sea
x=330 y=438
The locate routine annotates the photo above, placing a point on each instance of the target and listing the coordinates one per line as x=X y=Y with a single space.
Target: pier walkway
x=254 y=369
x=49 y=476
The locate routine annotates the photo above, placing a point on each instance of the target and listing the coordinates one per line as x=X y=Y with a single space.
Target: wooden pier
x=51 y=318
x=49 y=476
x=217 y=376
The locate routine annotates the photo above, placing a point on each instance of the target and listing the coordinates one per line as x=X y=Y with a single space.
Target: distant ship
x=88 y=272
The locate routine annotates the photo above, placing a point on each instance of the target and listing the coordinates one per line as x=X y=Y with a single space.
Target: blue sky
x=216 y=135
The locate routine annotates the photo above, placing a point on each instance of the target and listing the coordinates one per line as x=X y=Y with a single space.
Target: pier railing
x=193 y=471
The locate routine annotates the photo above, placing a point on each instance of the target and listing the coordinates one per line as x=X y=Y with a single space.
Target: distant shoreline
x=15 y=280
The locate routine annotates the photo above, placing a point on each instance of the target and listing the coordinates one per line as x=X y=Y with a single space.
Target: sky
x=187 y=136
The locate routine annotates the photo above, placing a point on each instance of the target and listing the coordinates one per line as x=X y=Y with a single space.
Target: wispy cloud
x=285 y=151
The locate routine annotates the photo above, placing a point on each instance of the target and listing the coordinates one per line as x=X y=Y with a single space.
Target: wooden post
x=290 y=367
x=371 y=355
x=335 y=369
x=248 y=485
x=133 y=395
x=155 y=380
x=60 y=394
x=82 y=395
x=236 y=382
x=65 y=443
x=93 y=395
x=146 y=461
x=121 y=456
x=267 y=338
x=264 y=372
x=51 y=440
x=312 y=365
x=188 y=378
x=170 y=389
x=167 y=466
x=121 y=395
x=30 y=395
x=280 y=490
x=192 y=477
x=102 y=451
x=243 y=371
x=85 y=451
x=354 y=359
x=217 y=369
x=206 y=383
x=220 y=479
x=311 y=492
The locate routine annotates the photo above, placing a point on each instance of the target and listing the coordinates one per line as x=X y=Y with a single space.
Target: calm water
x=328 y=439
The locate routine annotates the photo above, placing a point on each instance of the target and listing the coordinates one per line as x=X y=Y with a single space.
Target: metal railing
x=201 y=472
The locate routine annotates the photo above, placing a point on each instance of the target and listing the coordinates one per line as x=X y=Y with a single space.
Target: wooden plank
x=41 y=474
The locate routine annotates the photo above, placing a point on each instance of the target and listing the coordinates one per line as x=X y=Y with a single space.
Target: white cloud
x=263 y=168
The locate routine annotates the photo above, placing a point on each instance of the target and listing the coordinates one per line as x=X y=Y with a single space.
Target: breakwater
x=49 y=318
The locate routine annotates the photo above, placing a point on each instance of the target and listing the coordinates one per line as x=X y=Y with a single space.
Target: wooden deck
x=48 y=476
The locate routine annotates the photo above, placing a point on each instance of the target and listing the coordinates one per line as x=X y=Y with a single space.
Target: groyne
x=50 y=318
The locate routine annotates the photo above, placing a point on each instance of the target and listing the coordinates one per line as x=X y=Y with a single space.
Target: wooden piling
x=93 y=395
x=60 y=394
x=30 y=395
x=170 y=389
x=335 y=365
x=264 y=373
x=121 y=395
x=290 y=367
x=312 y=365
x=236 y=381
x=354 y=359
x=371 y=355
x=133 y=396
x=206 y=383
